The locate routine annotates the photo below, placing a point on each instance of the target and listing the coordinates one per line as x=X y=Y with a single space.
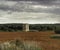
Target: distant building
x=26 y=27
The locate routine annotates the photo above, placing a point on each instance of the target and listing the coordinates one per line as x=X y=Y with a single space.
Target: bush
x=55 y=36
x=57 y=31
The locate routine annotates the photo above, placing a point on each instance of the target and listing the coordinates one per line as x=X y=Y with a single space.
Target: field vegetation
x=18 y=45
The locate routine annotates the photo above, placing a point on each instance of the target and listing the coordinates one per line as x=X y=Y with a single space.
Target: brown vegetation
x=42 y=38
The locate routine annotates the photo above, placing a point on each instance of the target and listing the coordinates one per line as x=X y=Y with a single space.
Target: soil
x=43 y=39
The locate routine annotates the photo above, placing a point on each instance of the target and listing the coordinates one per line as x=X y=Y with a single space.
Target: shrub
x=55 y=36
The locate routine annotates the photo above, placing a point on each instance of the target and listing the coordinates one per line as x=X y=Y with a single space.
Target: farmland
x=43 y=39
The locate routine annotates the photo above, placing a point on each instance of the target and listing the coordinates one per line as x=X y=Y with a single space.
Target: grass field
x=42 y=39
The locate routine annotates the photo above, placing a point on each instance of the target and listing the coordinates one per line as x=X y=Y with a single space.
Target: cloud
x=43 y=2
x=39 y=11
x=25 y=17
x=23 y=6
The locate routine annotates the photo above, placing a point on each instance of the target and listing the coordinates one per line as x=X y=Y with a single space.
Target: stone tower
x=26 y=27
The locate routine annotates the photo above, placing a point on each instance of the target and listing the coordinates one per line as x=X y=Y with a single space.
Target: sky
x=30 y=11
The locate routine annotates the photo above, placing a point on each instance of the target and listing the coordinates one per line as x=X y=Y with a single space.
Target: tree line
x=10 y=27
x=38 y=27
x=46 y=27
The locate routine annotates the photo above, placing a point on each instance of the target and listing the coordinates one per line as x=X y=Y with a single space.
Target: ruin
x=26 y=27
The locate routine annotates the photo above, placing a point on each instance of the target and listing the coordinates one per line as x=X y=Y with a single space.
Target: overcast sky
x=30 y=11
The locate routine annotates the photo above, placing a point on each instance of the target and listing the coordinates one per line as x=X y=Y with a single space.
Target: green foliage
x=55 y=37
x=38 y=27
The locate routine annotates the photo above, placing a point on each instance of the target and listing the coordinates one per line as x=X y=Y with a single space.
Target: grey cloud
x=47 y=10
x=19 y=6
x=43 y=2
x=53 y=11
x=49 y=2
x=26 y=7
x=32 y=0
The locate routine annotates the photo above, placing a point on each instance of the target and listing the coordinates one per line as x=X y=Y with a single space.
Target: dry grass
x=42 y=38
x=18 y=45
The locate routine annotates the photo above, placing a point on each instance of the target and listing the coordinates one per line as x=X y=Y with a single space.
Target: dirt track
x=43 y=38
